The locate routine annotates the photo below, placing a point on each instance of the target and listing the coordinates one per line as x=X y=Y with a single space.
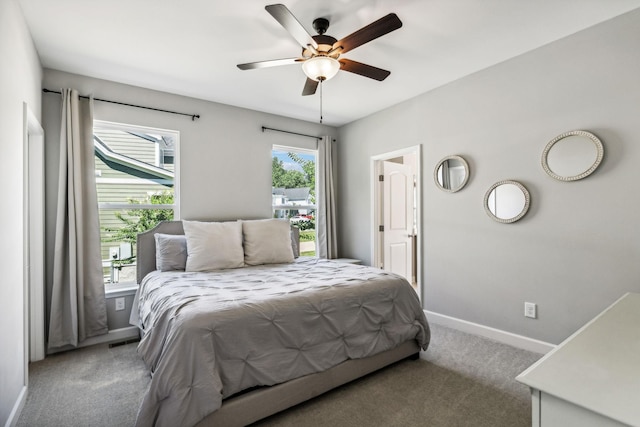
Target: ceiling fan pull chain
x=320 y=101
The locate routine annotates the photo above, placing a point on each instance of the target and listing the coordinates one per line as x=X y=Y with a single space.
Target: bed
x=231 y=346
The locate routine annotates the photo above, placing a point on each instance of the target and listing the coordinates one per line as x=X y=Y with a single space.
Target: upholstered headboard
x=146 y=245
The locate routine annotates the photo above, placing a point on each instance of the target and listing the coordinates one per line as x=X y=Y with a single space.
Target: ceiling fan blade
x=382 y=26
x=272 y=63
x=291 y=24
x=310 y=87
x=363 y=69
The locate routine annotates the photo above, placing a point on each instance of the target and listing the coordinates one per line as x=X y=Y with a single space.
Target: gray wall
x=118 y=319
x=577 y=250
x=20 y=76
x=225 y=157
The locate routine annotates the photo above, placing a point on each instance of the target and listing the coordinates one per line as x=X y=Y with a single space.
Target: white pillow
x=213 y=245
x=267 y=241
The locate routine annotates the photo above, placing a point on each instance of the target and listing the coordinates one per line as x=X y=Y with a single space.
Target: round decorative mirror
x=573 y=155
x=451 y=174
x=507 y=201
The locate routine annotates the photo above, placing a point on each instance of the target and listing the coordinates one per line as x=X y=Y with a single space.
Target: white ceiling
x=191 y=47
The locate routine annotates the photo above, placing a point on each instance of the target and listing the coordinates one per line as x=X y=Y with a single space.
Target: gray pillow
x=171 y=252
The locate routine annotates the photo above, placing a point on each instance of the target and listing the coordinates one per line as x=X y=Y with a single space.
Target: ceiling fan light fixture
x=321 y=68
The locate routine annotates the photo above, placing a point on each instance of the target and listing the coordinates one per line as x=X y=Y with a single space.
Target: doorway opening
x=396 y=201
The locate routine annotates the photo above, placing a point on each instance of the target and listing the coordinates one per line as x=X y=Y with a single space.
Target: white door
x=398 y=219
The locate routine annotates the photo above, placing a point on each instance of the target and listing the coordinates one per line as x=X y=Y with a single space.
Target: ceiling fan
x=321 y=53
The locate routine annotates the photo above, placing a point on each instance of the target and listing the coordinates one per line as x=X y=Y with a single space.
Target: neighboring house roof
x=132 y=166
x=292 y=194
x=162 y=141
x=297 y=193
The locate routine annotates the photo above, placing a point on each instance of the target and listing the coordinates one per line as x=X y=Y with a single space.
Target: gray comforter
x=210 y=335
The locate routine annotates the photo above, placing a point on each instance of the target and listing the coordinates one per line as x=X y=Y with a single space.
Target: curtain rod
x=193 y=116
x=292 y=133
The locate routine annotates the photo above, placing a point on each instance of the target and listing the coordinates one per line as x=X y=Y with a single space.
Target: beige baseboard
x=504 y=337
x=17 y=408
x=115 y=335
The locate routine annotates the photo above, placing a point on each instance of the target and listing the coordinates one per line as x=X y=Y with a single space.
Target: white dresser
x=593 y=377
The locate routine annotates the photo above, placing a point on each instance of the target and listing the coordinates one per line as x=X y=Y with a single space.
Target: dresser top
x=598 y=367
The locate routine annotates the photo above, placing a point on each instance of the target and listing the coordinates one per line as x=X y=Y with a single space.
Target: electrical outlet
x=530 y=310
x=119 y=304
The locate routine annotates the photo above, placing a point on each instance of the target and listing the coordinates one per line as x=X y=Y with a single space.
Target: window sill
x=115 y=290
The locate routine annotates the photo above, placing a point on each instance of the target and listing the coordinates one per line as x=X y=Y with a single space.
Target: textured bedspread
x=210 y=335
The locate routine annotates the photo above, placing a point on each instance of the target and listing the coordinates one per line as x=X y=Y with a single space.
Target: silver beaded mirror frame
x=507 y=201
x=572 y=155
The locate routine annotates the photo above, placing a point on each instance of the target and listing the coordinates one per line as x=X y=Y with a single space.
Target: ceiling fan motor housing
x=325 y=44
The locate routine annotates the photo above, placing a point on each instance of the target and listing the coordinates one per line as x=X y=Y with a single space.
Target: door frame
x=33 y=238
x=376 y=204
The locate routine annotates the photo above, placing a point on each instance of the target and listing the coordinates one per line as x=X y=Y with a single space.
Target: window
x=293 y=192
x=136 y=185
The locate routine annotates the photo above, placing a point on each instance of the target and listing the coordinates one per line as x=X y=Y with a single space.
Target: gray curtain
x=78 y=309
x=326 y=215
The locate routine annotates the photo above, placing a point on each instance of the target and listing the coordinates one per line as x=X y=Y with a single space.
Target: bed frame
x=246 y=408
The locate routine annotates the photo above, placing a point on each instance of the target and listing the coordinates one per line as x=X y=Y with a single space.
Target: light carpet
x=461 y=380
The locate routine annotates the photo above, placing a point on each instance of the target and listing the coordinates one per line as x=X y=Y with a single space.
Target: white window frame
x=288 y=149
x=113 y=288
